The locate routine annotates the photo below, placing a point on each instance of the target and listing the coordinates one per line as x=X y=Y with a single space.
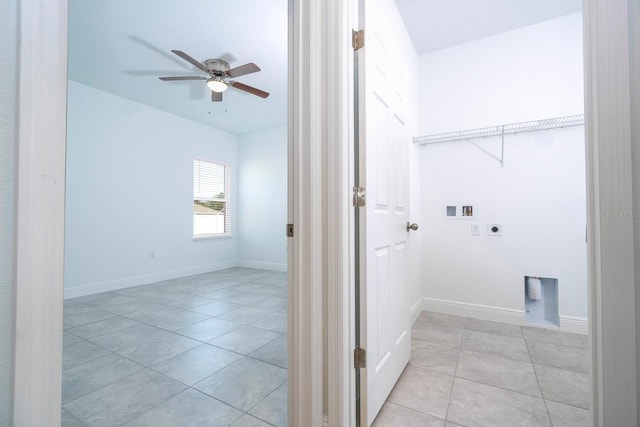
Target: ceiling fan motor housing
x=217 y=66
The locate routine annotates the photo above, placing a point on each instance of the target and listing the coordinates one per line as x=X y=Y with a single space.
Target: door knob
x=413 y=226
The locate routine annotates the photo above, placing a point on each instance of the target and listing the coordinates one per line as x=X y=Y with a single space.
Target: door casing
x=40 y=232
x=612 y=276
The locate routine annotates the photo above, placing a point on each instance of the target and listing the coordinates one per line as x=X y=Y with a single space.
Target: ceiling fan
x=220 y=75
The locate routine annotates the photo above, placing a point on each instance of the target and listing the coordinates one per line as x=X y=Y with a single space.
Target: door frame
x=612 y=276
x=42 y=102
x=611 y=263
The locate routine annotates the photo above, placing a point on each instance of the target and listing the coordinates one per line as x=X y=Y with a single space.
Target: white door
x=383 y=142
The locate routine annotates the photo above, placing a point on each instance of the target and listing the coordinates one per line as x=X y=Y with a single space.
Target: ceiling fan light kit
x=220 y=74
x=217 y=84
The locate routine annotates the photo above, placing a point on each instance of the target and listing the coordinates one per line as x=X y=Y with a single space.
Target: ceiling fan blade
x=168 y=79
x=249 y=89
x=187 y=58
x=216 y=96
x=145 y=73
x=243 y=69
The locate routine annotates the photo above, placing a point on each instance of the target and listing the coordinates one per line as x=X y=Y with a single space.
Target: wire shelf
x=501 y=130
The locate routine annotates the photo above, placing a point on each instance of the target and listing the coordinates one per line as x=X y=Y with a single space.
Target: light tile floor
x=212 y=350
x=470 y=372
x=206 y=350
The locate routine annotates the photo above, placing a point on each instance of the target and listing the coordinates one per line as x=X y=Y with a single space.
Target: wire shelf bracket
x=501 y=131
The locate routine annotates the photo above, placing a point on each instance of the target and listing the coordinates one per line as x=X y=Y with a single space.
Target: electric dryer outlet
x=494 y=229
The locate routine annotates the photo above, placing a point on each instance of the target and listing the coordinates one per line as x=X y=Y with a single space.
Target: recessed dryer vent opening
x=541 y=301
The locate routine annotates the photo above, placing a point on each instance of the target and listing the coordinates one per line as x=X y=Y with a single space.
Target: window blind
x=211 y=195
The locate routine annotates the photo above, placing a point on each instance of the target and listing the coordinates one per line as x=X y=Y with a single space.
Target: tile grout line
x=413 y=410
x=460 y=351
x=74 y=417
x=119 y=379
x=151 y=368
x=529 y=361
x=455 y=371
x=561 y=368
x=92 y=360
x=192 y=387
x=89 y=323
x=500 y=388
x=535 y=372
x=262 y=400
x=89 y=340
x=484 y=384
x=478 y=351
x=153 y=407
x=499 y=356
x=176 y=355
x=229 y=404
x=209 y=317
x=186 y=386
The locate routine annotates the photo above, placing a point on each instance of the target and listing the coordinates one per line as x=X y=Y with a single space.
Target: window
x=211 y=208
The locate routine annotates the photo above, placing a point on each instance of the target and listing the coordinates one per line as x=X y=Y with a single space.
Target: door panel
x=380 y=154
x=380 y=292
x=382 y=141
x=401 y=165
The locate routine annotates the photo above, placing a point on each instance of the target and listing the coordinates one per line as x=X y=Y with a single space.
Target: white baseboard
x=273 y=266
x=127 y=282
x=498 y=314
x=578 y=325
x=416 y=309
x=485 y=312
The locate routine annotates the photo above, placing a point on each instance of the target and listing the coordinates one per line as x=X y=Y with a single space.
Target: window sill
x=211 y=237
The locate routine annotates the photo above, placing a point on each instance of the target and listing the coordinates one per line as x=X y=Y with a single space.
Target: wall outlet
x=475 y=229
x=494 y=229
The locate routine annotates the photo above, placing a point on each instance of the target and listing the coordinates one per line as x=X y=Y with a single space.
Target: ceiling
x=438 y=24
x=122 y=47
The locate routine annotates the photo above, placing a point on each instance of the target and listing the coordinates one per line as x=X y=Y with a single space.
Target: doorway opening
x=176 y=290
x=497 y=185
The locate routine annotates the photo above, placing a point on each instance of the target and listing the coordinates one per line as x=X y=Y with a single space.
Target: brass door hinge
x=359 y=358
x=357 y=39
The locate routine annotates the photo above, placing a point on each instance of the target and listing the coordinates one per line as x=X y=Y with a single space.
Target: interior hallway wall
x=8 y=125
x=262 y=199
x=130 y=194
x=538 y=196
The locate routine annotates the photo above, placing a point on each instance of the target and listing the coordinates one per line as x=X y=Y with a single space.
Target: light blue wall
x=129 y=193
x=8 y=82
x=262 y=193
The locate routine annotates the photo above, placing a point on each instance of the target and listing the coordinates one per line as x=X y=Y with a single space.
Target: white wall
x=539 y=194
x=415 y=193
x=526 y=74
x=130 y=194
x=404 y=47
x=262 y=198
x=8 y=84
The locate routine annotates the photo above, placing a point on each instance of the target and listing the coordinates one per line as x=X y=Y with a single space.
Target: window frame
x=227 y=200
